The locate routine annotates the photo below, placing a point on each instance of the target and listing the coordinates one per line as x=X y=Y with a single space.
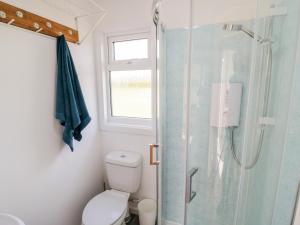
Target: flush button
x=123 y=156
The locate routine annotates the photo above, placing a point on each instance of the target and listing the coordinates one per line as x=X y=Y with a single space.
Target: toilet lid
x=105 y=208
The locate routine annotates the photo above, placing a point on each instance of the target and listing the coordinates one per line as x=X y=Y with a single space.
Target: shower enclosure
x=225 y=82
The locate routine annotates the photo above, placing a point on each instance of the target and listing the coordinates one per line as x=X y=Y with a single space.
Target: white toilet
x=124 y=171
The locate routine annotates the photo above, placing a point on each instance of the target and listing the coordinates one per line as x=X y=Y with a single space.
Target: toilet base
x=120 y=221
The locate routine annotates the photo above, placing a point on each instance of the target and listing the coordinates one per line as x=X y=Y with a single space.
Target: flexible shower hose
x=267 y=53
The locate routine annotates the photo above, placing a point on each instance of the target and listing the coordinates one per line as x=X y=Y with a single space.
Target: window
x=129 y=81
x=134 y=49
x=131 y=93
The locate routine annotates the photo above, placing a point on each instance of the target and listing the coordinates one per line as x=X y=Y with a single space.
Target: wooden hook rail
x=18 y=17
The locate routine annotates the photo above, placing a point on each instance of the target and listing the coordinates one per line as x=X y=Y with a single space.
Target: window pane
x=135 y=49
x=131 y=93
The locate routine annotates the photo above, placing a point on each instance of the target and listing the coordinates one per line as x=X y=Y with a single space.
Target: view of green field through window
x=131 y=93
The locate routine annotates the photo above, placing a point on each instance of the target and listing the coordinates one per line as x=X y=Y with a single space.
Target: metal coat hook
x=39 y=30
x=11 y=21
x=37 y=27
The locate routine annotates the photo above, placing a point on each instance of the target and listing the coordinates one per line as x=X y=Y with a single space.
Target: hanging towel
x=71 y=110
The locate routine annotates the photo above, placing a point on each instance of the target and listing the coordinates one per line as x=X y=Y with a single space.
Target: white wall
x=126 y=15
x=176 y=13
x=123 y=16
x=41 y=181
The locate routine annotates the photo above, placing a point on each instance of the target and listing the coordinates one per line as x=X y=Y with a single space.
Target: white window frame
x=126 y=124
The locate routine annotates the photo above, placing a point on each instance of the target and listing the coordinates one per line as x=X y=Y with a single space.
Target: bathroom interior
x=150 y=112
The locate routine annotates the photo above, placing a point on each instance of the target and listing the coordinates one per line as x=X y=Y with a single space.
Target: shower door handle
x=190 y=194
x=152 y=160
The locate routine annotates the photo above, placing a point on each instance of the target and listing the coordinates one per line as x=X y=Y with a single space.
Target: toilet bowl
x=110 y=207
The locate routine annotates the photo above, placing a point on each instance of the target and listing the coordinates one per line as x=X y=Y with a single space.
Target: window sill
x=129 y=129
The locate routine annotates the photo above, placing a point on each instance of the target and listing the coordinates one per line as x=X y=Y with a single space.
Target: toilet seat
x=107 y=208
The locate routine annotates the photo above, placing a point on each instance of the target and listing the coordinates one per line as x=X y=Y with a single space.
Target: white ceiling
x=75 y=7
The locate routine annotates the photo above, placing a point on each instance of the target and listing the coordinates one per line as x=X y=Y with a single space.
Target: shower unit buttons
x=225 y=104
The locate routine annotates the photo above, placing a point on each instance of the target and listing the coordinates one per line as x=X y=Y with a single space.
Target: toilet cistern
x=124 y=170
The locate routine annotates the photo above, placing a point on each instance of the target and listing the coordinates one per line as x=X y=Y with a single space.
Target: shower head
x=239 y=27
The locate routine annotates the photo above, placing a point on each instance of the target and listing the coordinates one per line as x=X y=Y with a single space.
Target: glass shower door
x=227 y=85
x=238 y=100
x=201 y=179
x=217 y=91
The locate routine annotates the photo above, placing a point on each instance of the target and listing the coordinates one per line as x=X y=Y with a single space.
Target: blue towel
x=71 y=110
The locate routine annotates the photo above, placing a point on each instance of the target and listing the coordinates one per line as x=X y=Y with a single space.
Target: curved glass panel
x=227 y=89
